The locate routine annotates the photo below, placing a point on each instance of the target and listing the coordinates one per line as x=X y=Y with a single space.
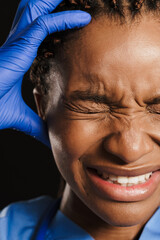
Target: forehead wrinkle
x=116 y=82
x=103 y=85
x=98 y=85
x=94 y=82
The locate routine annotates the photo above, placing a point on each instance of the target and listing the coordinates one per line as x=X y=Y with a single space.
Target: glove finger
x=31 y=124
x=34 y=9
x=26 y=45
x=56 y=22
x=66 y=20
x=19 y=13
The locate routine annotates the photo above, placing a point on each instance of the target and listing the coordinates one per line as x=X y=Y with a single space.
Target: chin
x=125 y=222
x=124 y=214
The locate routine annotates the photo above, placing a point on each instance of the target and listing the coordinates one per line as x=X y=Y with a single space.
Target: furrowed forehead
x=110 y=63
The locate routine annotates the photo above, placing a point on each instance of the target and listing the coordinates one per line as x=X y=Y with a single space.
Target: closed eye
x=154 y=108
x=86 y=108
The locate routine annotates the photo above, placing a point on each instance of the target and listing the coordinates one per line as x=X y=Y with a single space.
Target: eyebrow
x=90 y=95
x=153 y=100
x=86 y=95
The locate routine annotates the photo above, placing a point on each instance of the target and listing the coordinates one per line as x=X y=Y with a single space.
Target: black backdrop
x=27 y=167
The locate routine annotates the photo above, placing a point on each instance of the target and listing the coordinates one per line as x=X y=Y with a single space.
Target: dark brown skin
x=127 y=60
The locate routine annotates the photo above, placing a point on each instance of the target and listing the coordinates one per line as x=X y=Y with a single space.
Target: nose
x=129 y=145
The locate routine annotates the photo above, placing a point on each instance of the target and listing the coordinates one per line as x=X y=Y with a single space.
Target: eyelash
x=85 y=110
x=81 y=109
x=152 y=110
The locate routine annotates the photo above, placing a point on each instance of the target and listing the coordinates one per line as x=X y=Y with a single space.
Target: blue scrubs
x=39 y=219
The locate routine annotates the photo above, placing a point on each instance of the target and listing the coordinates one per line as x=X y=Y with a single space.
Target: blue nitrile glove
x=30 y=27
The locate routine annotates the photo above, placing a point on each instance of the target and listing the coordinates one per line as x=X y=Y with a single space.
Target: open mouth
x=121 y=180
x=122 y=188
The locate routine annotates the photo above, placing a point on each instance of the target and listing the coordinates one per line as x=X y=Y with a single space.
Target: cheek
x=73 y=137
x=70 y=140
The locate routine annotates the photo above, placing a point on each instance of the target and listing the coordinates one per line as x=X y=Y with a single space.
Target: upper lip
x=125 y=171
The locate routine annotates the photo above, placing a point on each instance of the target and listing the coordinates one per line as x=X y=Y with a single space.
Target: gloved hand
x=33 y=22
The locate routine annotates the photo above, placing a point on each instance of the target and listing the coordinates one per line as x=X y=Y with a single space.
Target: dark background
x=27 y=167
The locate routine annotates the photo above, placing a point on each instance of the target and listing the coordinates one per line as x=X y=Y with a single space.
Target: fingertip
x=84 y=16
x=79 y=18
x=87 y=18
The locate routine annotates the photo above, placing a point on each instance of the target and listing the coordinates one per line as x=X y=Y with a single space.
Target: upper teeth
x=125 y=180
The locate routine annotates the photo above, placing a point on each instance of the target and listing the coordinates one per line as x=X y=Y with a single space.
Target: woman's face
x=105 y=116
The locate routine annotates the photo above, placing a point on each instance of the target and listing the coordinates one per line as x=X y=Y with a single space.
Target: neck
x=74 y=209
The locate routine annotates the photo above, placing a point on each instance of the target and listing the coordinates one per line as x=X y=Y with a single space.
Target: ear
x=38 y=101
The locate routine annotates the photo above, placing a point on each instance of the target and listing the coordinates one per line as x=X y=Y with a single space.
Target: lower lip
x=117 y=192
